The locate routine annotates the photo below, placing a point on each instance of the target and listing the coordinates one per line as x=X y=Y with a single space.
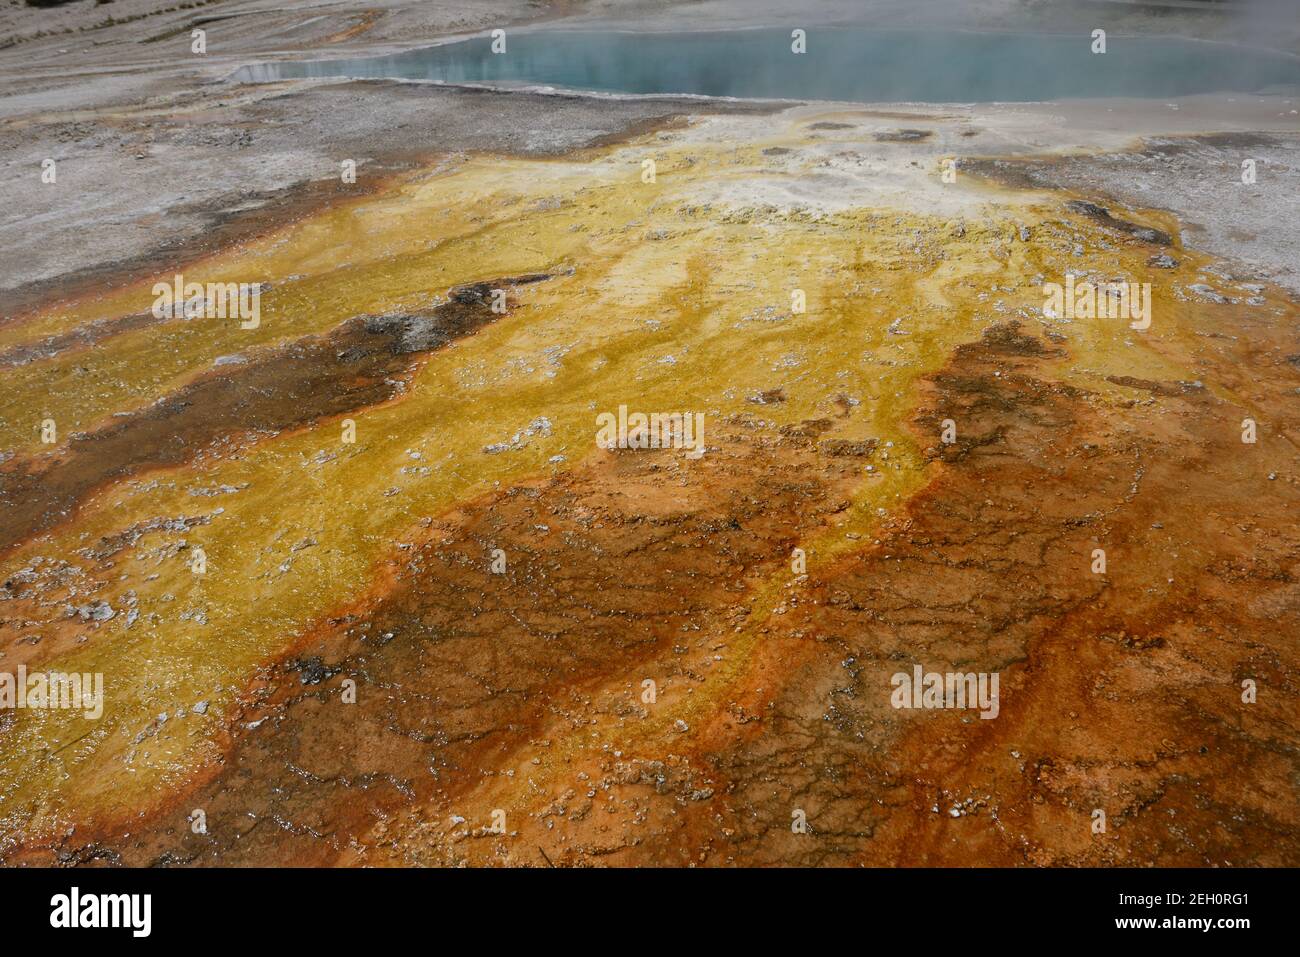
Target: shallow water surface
x=842 y=63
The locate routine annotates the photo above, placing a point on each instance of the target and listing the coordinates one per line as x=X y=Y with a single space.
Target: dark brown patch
x=1170 y=389
x=356 y=365
x=902 y=136
x=1013 y=174
x=1100 y=214
x=1222 y=141
x=81 y=337
x=767 y=397
x=848 y=448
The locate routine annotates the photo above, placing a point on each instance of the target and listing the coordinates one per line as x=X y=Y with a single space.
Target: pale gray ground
x=154 y=147
x=1253 y=226
x=129 y=185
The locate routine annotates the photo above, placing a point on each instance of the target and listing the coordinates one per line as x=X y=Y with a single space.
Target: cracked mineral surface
x=365 y=588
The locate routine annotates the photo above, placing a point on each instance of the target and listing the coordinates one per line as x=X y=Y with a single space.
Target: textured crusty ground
x=522 y=692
